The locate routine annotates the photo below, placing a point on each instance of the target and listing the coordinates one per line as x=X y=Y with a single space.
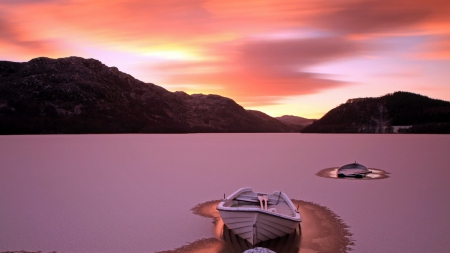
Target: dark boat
x=353 y=170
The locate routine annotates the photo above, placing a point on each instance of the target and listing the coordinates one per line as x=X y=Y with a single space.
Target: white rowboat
x=257 y=217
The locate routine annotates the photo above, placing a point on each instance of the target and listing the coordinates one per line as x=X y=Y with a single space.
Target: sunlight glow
x=171 y=55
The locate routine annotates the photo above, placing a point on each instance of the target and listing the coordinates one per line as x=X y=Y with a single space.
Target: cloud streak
x=12 y=38
x=267 y=69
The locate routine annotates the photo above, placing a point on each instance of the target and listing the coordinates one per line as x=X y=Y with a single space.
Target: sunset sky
x=281 y=57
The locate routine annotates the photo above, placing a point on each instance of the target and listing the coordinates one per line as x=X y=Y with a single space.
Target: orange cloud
x=263 y=71
x=12 y=39
x=137 y=24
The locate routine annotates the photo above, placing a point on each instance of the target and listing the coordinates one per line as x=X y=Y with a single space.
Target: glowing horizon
x=280 y=57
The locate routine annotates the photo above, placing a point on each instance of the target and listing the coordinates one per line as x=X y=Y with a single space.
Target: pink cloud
x=12 y=38
x=263 y=71
x=229 y=38
x=380 y=16
x=437 y=48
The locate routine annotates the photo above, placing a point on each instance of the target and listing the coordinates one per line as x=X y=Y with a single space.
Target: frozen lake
x=134 y=193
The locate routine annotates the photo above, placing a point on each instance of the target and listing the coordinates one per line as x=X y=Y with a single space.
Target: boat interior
x=268 y=202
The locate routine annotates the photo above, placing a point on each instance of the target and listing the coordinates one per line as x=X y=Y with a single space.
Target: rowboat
x=257 y=217
x=353 y=170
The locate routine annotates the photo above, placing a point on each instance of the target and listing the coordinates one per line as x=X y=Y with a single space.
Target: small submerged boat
x=353 y=170
x=257 y=217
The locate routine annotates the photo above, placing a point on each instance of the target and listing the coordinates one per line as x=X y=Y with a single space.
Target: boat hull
x=255 y=226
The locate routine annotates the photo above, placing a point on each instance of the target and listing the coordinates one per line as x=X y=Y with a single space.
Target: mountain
x=77 y=95
x=412 y=113
x=297 y=122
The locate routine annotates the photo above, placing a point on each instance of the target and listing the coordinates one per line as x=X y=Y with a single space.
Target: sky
x=281 y=57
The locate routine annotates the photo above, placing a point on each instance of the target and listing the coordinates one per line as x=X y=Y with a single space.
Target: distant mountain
x=77 y=95
x=297 y=122
x=408 y=112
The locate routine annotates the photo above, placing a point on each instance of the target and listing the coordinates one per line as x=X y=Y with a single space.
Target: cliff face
x=76 y=95
x=419 y=114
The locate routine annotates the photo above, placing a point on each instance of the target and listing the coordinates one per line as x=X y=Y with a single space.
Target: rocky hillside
x=76 y=95
x=297 y=122
x=409 y=112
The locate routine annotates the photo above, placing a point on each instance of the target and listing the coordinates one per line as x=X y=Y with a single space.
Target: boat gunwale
x=296 y=217
x=290 y=218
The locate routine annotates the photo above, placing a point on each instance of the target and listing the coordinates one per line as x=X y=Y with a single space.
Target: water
x=134 y=193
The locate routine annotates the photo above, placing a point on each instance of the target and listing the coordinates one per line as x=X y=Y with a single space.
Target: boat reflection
x=289 y=243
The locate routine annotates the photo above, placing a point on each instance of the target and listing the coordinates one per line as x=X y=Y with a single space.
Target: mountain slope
x=297 y=122
x=77 y=95
x=370 y=115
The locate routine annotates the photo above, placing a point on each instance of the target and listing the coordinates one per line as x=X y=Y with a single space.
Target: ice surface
x=133 y=193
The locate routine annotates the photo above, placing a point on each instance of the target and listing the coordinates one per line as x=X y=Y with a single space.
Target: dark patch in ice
x=332 y=173
x=321 y=231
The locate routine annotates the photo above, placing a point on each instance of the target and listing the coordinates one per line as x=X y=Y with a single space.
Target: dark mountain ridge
x=77 y=95
x=417 y=113
x=297 y=122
